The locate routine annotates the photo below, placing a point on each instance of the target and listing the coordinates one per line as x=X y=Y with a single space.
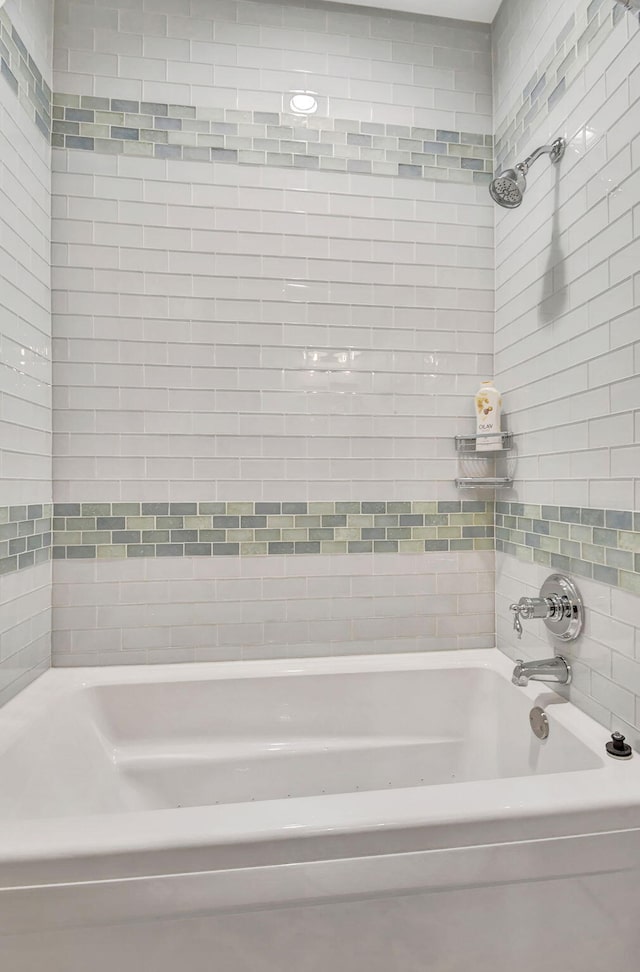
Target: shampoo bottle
x=488 y=411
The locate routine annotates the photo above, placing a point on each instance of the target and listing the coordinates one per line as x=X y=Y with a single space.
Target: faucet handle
x=517 y=623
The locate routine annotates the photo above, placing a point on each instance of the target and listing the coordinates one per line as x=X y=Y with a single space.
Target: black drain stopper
x=618 y=748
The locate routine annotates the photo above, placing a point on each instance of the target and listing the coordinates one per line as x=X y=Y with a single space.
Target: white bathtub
x=379 y=813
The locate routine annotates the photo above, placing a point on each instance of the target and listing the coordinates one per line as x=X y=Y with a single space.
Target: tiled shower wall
x=567 y=337
x=269 y=327
x=25 y=343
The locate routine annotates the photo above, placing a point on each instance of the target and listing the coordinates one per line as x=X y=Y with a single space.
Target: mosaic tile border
x=184 y=132
x=23 y=76
x=119 y=530
x=579 y=39
x=25 y=536
x=597 y=543
x=601 y=544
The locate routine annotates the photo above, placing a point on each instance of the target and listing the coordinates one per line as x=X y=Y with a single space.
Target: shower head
x=508 y=187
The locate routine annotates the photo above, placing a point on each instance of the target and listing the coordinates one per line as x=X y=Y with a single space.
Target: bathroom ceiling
x=480 y=10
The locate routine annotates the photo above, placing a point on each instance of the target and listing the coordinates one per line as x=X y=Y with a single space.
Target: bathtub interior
x=153 y=745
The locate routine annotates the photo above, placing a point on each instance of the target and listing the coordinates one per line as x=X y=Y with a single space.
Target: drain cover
x=539 y=722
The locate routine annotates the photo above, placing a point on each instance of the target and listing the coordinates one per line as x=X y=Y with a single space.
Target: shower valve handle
x=517 y=623
x=559 y=606
x=535 y=607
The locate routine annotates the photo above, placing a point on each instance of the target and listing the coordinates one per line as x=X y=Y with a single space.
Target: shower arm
x=555 y=150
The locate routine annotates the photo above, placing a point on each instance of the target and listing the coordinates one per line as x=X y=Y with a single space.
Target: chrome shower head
x=508 y=187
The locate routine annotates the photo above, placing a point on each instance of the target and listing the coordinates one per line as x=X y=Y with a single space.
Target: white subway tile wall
x=25 y=341
x=231 y=333
x=372 y=66
x=238 y=333
x=33 y=20
x=214 y=609
x=25 y=628
x=567 y=316
x=286 y=325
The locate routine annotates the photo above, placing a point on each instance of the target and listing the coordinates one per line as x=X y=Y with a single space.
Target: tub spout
x=556 y=669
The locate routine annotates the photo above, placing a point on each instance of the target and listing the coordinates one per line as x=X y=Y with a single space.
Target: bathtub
x=379 y=813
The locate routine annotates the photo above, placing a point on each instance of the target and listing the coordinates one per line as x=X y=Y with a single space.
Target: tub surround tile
x=540 y=534
x=86 y=531
x=20 y=72
x=563 y=538
x=563 y=63
x=381 y=107
x=25 y=345
x=277 y=332
x=25 y=627
x=196 y=608
x=25 y=536
x=566 y=333
x=191 y=134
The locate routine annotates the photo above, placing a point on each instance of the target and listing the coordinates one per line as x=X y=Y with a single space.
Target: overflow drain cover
x=539 y=722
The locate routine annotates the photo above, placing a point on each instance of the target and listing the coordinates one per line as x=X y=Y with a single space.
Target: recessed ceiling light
x=303 y=103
